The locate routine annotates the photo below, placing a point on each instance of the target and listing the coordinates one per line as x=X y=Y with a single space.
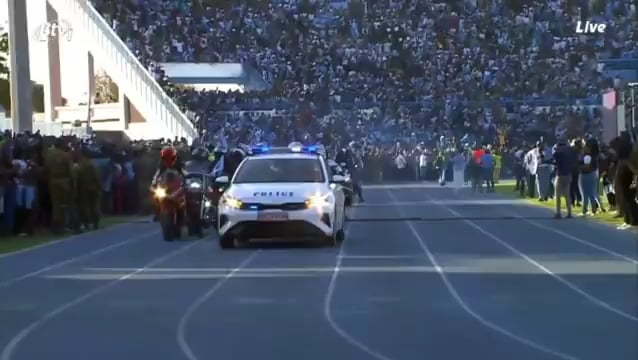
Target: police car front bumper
x=299 y=223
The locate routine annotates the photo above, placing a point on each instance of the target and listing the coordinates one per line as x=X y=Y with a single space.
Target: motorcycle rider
x=232 y=161
x=168 y=161
x=354 y=165
x=199 y=162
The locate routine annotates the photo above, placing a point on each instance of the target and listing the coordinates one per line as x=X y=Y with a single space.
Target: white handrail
x=173 y=110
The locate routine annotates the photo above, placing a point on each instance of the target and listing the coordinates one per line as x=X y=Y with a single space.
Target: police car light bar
x=259 y=150
x=294 y=148
x=303 y=149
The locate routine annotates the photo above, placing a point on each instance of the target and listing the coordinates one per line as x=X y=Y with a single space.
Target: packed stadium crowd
x=416 y=89
x=66 y=184
x=469 y=56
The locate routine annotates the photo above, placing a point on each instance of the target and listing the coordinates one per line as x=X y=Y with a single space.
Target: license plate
x=272 y=216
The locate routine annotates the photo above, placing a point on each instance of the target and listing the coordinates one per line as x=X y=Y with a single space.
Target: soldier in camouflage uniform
x=59 y=164
x=88 y=191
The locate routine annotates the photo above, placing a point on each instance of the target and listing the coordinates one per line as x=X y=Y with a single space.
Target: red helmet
x=168 y=156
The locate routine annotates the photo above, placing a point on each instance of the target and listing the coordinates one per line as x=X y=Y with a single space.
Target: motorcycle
x=171 y=199
x=199 y=207
x=348 y=186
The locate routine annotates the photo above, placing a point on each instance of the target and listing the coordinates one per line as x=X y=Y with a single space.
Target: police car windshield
x=257 y=170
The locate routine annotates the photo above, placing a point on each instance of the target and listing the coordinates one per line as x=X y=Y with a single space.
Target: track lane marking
x=593 y=299
x=9 y=282
x=9 y=349
x=563 y=233
x=180 y=335
x=327 y=303
x=459 y=299
x=62 y=240
x=580 y=240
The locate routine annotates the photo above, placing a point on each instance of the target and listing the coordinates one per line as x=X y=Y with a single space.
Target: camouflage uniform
x=88 y=192
x=59 y=166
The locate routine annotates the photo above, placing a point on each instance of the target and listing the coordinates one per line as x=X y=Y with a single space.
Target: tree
x=106 y=90
x=4 y=51
x=5 y=88
x=5 y=99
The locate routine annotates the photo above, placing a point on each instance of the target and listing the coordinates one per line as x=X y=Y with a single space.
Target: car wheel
x=227 y=241
x=332 y=240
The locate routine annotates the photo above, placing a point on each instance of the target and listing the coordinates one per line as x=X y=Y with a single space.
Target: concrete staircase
x=163 y=117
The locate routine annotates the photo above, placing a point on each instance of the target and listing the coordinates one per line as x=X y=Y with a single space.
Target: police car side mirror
x=338 y=179
x=222 y=180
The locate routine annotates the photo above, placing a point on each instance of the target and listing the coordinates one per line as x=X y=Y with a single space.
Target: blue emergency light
x=260 y=150
x=294 y=148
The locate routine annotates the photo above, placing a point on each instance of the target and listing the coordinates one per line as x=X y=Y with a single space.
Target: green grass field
x=15 y=243
x=507 y=188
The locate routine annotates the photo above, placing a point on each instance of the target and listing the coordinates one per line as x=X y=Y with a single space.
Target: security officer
x=59 y=164
x=87 y=190
x=232 y=161
x=199 y=162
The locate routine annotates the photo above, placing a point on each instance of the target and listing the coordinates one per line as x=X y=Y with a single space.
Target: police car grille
x=285 y=206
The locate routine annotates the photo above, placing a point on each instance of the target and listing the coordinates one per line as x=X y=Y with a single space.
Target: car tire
x=332 y=240
x=227 y=241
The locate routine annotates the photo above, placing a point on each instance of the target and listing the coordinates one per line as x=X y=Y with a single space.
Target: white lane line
x=593 y=299
x=58 y=241
x=327 y=306
x=466 y=307
x=192 y=308
x=579 y=240
x=568 y=235
x=101 y=250
x=10 y=348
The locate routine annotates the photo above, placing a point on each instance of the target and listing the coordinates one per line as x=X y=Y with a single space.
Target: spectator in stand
x=447 y=57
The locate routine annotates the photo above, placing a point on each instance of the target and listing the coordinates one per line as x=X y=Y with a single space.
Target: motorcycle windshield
x=195 y=182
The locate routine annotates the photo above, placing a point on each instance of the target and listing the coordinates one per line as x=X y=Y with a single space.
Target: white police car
x=282 y=193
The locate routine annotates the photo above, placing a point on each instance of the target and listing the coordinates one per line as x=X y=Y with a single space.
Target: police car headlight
x=207 y=204
x=231 y=202
x=319 y=200
x=195 y=185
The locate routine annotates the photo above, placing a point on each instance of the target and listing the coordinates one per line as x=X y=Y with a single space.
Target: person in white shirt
x=531 y=165
x=458 y=166
x=423 y=165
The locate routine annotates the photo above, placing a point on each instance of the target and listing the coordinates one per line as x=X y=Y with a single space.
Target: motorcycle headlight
x=231 y=202
x=195 y=185
x=160 y=193
x=319 y=200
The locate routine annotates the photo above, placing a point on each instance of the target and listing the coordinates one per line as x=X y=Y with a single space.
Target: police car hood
x=275 y=193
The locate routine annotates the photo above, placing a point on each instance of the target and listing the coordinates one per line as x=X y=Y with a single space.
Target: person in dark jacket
x=199 y=162
x=564 y=162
